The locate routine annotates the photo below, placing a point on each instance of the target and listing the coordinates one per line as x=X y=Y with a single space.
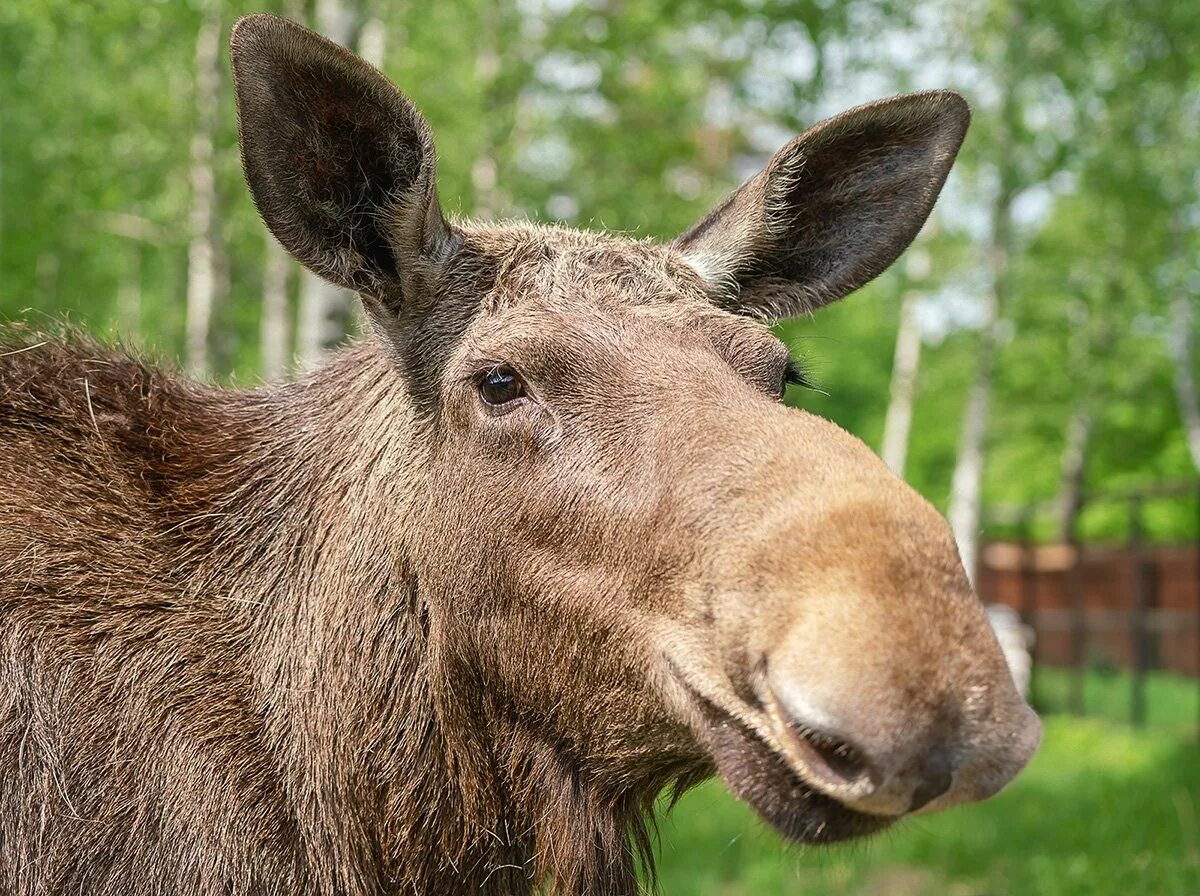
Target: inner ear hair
x=340 y=163
x=832 y=209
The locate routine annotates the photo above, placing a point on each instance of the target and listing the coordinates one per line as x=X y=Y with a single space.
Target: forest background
x=1031 y=356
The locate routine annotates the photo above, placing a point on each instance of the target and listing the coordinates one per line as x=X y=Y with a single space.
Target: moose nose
x=831 y=762
x=935 y=775
x=834 y=765
x=899 y=773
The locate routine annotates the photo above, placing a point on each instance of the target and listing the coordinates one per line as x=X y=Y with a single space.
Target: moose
x=449 y=613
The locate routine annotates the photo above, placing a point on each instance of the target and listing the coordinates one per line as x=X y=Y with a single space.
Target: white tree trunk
x=275 y=330
x=489 y=203
x=1073 y=465
x=1183 y=353
x=965 y=512
x=897 y=425
x=966 y=486
x=202 y=262
x=323 y=309
x=372 y=41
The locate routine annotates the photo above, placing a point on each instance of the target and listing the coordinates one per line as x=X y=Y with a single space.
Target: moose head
x=634 y=564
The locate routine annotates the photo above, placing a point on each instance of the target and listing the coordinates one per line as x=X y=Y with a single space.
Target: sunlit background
x=1029 y=364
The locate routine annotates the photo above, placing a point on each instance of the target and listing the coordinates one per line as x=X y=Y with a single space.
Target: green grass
x=1101 y=811
x=1172 y=702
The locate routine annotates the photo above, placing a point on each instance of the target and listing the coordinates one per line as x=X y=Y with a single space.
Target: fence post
x=1196 y=621
x=1075 y=600
x=1137 y=617
x=1029 y=598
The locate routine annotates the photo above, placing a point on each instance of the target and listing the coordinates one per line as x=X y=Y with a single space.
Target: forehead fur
x=551 y=263
x=538 y=292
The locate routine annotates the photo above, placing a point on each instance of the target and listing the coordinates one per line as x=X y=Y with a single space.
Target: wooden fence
x=1101 y=605
x=1134 y=607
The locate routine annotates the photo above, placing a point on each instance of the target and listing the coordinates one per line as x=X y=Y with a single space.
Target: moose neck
x=406 y=772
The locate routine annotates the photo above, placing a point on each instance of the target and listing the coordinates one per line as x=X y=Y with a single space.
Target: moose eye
x=500 y=386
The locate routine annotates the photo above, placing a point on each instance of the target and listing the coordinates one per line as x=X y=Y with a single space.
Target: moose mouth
x=760 y=775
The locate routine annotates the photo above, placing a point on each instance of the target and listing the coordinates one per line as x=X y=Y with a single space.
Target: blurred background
x=1029 y=364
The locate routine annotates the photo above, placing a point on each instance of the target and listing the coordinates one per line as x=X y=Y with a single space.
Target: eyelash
x=794 y=374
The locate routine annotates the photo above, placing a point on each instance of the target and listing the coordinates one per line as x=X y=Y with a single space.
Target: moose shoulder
x=446 y=616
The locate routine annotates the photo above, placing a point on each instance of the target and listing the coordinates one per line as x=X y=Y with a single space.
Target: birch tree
x=966 y=486
x=1081 y=424
x=906 y=361
x=1183 y=342
x=275 y=326
x=202 y=266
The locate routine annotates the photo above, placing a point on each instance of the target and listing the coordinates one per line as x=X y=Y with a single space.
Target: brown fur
x=203 y=652
x=365 y=634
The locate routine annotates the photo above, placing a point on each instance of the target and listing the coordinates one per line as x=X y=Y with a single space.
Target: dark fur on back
x=206 y=650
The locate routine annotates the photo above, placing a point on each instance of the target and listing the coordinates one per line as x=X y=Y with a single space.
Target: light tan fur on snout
x=838 y=600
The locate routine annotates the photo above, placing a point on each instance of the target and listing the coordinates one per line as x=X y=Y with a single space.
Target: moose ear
x=340 y=163
x=832 y=209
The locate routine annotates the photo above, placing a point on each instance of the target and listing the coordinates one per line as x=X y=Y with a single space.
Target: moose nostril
x=936 y=776
x=841 y=761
